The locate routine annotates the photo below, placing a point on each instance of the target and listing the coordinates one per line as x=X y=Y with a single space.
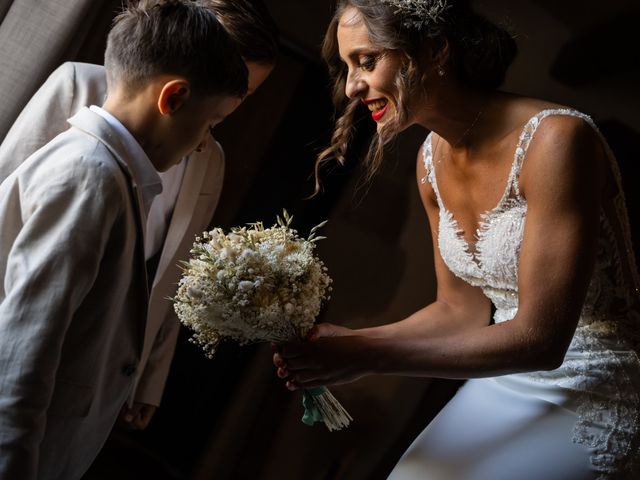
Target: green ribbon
x=311 y=412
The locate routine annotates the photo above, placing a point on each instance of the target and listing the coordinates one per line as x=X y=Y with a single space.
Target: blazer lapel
x=93 y=124
x=182 y=215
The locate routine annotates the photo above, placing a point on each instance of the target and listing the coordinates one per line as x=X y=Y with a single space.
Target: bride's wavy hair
x=478 y=53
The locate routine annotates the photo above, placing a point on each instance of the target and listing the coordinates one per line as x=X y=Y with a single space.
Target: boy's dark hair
x=250 y=26
x=179 y=37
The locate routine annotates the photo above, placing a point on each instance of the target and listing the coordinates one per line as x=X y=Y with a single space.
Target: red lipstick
x=377 y=115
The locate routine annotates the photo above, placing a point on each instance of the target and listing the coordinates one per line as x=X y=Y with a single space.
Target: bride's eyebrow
x=362 y=51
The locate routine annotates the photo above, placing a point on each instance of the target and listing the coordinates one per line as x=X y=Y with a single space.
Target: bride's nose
x=354 y=86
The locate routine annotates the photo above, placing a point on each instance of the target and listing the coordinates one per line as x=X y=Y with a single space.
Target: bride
x=528 y=222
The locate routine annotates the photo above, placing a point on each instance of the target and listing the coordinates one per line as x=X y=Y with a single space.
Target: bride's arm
x=458 y=306
x=561 y=180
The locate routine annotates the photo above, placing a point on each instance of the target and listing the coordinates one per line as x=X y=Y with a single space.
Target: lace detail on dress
x=492 y=261
x=601 y=370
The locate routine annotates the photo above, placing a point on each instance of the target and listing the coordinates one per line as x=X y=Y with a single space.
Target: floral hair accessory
x=419 y=13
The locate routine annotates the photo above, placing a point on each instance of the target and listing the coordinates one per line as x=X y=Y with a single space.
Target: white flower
x=227 y=254
x=194 y=292
x=252 y=284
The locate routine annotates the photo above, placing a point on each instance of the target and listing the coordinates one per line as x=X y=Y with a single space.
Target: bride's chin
x=385 y=124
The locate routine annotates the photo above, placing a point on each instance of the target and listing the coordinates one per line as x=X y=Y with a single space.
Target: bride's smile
x=378 y=108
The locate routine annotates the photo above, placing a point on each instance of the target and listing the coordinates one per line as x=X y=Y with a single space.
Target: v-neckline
x=484 y=221
x=473 y=250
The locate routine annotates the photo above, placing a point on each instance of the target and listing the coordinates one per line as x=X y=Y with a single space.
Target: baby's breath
x=253 y=284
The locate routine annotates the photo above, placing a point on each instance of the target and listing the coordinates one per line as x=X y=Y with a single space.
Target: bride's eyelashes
x=369 y=62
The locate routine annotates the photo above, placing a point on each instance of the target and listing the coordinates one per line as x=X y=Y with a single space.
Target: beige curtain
x=36 y=36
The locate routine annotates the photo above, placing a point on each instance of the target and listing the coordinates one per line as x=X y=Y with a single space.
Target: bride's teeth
x=377 y=105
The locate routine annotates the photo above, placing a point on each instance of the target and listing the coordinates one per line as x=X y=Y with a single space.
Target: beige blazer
x=70 y=87
x=73 y=300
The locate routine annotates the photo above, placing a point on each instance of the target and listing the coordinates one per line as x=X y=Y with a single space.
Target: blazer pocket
x=71 y=399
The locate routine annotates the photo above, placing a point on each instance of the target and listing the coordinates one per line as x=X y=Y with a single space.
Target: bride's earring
x=440 y=72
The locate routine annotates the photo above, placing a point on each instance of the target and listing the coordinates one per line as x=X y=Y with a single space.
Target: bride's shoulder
x=531 y=114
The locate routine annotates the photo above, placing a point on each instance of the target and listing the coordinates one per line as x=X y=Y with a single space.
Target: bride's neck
x=455 y=114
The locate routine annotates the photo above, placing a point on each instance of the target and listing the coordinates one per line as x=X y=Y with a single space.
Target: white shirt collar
x=144 y=173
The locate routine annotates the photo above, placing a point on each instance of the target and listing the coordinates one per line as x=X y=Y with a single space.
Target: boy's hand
x=138 y=416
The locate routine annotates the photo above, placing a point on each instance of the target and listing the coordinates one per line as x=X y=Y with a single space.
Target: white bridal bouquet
x=258 y=284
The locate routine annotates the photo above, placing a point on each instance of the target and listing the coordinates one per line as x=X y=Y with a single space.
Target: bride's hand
x=330 y=355
x=327 y=330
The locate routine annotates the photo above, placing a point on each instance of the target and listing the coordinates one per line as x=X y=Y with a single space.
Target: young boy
x=190 y=190
x=74 y=290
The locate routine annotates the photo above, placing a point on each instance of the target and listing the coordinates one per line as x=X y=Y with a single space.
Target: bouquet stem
x=321 y=406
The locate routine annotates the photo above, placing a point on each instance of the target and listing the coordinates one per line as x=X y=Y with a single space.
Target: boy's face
x=189 y=127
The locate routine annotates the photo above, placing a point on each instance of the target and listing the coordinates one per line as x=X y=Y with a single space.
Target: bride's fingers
x=301 y=363
x=291 y=350
x=291 y=385
x=297 y=364
x=278 y=361
x=307 y=379
x=314 y=334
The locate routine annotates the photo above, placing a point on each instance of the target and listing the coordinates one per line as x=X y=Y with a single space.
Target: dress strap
x=620 y=216
x=430 y=174
x=528 y=131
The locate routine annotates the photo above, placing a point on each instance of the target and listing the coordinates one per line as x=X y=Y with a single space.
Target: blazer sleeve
x=54 y=234
x=70 y=87
x=156 y=369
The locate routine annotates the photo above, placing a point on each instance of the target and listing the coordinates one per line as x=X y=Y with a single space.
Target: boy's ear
x=173 y=96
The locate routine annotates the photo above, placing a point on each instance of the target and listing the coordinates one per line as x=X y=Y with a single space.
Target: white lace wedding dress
x=580 y=421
